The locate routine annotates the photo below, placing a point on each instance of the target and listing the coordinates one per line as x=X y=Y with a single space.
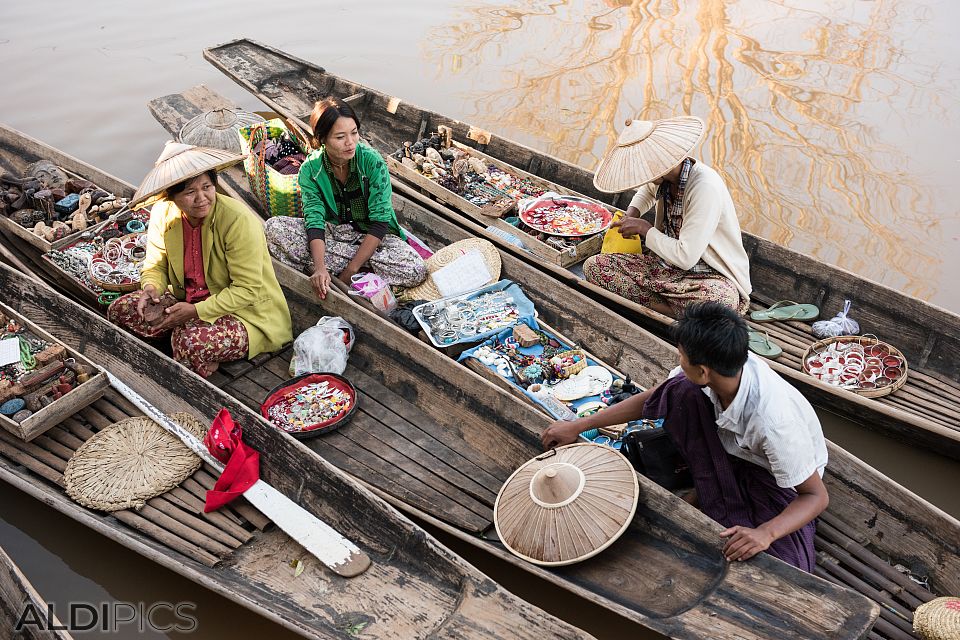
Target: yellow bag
x=613 y=242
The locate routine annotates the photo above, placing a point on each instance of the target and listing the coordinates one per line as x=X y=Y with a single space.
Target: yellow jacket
x=236 y=266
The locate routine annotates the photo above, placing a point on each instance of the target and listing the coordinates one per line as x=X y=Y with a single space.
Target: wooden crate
x=55 y=412
x=572 y=255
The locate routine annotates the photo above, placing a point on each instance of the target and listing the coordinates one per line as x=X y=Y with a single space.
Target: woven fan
x=566 y=505
x=427 y=290
x=218 y=129
x=645 y=151
x=129 y=462
x=180 y=162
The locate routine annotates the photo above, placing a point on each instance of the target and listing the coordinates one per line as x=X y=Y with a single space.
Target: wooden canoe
x=925 y=412
x=414 y=588
x=869 y=514
x=438 y=441
x=16 y=595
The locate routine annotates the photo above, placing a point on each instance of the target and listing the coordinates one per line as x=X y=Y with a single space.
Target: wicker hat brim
x=631 y=165
x=180 y=162
x=427 y=290
x=579 y=528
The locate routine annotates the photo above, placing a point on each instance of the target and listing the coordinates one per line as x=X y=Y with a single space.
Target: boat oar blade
x=316 y=536
x=331 y=548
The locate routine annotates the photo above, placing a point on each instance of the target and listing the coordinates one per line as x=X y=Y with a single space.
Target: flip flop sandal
x=761 y=344
x=786 y=310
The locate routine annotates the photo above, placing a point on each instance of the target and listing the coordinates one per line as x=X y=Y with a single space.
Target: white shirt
x=710 y=228
x=769 y=423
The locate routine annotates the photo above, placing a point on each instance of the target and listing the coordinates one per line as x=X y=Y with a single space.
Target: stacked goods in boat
x=41 y=380
x=105 y=261
x=47 y=205
x=494 y=193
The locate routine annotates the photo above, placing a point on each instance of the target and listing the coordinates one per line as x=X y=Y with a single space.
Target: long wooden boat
x=415 y=587
x=925 y=412
x=437 y=440
x=869 y=515
x=16 y=596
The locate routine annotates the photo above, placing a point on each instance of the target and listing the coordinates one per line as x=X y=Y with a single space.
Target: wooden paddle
x=338 y=553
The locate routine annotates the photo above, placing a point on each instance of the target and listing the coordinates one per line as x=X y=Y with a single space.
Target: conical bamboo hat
x=427 y=290
x=180 y=162
x=567 y=505
x=218 y=129
x=645 y=151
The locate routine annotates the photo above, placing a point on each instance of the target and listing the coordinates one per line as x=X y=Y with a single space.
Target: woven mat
x=938 y=619
x=427 y=290
x=129 y=462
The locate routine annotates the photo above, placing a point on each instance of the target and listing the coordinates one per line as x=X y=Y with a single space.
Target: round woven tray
x=820 y=345
x=129 y=462
x=427 y=290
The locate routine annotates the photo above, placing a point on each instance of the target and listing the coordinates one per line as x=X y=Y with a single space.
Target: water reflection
x=809 y=107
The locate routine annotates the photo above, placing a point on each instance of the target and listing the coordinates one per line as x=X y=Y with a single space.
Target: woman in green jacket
x=348 y=218
x=207 y=262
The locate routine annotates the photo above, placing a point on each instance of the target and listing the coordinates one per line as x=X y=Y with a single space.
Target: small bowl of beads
x=311 y=404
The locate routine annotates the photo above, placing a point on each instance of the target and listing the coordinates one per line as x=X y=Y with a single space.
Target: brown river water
x=833 y=122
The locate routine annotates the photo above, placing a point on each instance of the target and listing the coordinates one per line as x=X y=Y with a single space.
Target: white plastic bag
x=839 y=325
x=321 y=348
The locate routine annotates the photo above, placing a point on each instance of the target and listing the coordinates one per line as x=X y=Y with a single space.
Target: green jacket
x=236 y=266
x=319 y=201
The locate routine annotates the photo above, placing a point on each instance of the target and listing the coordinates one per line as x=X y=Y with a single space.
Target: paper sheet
x=9 y=351
x=466 y=273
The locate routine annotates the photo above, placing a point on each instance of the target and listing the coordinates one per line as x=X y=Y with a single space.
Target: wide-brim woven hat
x=427 y=290
x=567 y=505
x=938 y=619
x=218 y=129
x=645 y=151
x=180 y=162
x=129 y=462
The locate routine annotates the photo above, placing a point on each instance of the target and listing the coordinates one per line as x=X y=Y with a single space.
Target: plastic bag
x=322 y=348
x=839 y=325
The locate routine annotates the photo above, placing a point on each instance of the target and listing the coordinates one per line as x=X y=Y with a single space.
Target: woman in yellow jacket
x=207 y=267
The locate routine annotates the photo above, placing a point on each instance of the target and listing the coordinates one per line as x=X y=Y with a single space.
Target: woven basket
x=119 y=288
x=820 y=345
x=576 y=367
x=129 y=462
x=938 y=619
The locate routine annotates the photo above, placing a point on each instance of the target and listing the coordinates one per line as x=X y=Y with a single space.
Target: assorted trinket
x=465 y=174
x=52 y=205
x=613 y=436
x=311 y=404
x=452 y=320
x=41 y=374
x=109 y=258
x=561 y=216
x=861 y=364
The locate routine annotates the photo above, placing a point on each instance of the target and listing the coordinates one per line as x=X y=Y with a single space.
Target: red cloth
x=193 y=279
x=224 y=441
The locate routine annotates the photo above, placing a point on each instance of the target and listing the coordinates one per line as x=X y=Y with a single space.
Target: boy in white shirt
x=753 y=443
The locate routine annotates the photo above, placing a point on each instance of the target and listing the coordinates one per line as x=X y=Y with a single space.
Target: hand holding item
x=630 y=227
x=560 y=433
x=320 y=281
x=744 y=542
x=177 y=314
x=149 y=295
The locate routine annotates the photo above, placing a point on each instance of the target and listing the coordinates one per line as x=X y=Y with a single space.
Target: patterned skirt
x=395 y=261
x=645 y=279
x=198 y=345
